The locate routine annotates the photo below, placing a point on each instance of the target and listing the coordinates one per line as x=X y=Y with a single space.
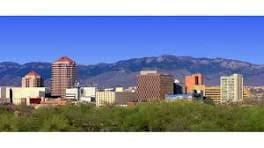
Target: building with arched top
x=63 y=76
x=32 y=79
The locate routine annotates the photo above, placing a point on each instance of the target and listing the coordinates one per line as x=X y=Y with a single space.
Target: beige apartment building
x=232 y=88
x=214 y=92
x=152 y=85
x=18 y=95
x=32 y=79
x=63 y=76
x=247 y=92
x=114 y=98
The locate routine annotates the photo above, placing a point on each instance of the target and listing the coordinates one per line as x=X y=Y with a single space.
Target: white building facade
x=83 y=94
x=18 y=95
x=232 y=88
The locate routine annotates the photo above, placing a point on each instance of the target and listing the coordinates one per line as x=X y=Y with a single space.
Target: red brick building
x=152 y=85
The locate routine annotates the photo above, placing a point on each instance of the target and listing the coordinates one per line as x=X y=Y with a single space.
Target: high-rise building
x=232 y=88
x=193 y=80
x=32 y=79
x=63 y=76
x=152 y=85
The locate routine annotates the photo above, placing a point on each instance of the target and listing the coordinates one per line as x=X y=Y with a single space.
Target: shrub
x=156 y=116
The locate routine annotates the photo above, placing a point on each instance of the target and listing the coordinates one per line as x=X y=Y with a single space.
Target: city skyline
x=86 y=39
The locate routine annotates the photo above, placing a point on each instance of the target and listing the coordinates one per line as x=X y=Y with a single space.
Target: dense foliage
x=173 y=116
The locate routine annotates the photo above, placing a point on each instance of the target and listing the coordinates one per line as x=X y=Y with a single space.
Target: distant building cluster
x=152 y=85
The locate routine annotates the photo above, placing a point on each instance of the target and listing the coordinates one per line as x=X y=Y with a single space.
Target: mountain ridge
x=124 y=72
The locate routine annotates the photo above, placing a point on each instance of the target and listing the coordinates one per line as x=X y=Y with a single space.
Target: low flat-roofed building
x=51 y=101
x=247 y=92
x=88 y=94
x=131 y=89
x=108 y=89
x=199 y=89
x=114 y=98
x=89 y=91
x=72 y=94
x=33 y=101
x=47 y=102
x=19 y=95
x=119 y=89
x=83 y=94
x=214 y=93
x=176 y=97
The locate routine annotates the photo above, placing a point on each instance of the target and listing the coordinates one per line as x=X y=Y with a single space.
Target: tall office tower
x=232 y=88
x=63 y=76
x=193 y=80
x=32 y=79
x=152 y=85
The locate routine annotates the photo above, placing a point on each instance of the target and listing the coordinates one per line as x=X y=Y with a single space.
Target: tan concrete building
x=32 y=79
x=199 y=89
x=63 y=76
x=114 y=98
x=232 y=88
x=152 y=85
x=119 y=89
x=247 y=92
x=214 y=93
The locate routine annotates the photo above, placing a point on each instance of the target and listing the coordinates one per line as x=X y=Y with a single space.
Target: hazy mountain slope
x=124 y=72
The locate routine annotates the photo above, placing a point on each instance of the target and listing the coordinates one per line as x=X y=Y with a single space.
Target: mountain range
x=123 y=73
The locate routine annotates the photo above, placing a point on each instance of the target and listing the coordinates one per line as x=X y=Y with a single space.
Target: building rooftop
x=65 y=59
x=145 y=72
x=153 y=72
x=32 y=73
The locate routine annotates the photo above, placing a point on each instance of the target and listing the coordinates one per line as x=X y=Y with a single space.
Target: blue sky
x=90 y=40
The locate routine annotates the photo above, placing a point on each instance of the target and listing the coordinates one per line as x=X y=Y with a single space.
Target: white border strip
x=131 y=140
x=131 y=7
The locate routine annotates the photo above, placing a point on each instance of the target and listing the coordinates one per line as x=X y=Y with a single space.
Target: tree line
x=175 y=116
